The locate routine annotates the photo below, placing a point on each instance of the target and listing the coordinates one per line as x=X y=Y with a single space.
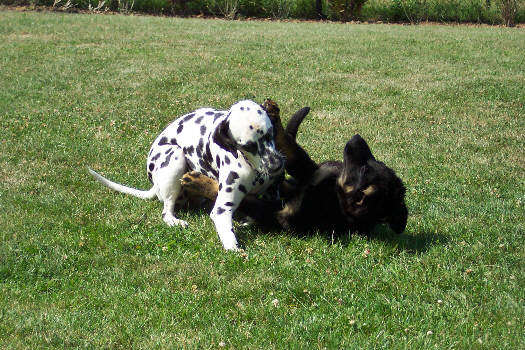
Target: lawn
x=81 y=266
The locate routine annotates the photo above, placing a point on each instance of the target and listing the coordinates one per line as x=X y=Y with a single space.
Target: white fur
x=188 y=144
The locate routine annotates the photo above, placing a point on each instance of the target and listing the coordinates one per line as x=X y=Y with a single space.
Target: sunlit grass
x=81 y=266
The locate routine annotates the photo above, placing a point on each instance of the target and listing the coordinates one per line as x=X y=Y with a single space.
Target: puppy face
x=368 y=191
x=249 y=130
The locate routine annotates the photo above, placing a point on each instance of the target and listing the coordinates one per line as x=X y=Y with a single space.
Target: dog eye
x=369 y=190
x=348 y=188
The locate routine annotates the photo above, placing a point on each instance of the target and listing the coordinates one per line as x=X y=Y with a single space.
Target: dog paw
x=171 y=221
x=190 y=179
x=234 y=249
x=230 y=244
x=283 y=218
x=246 y=221
x=272 y=109
x=197 y=184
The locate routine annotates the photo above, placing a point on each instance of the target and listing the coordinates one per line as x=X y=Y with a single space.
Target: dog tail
x=293 y=124
x=151 y=194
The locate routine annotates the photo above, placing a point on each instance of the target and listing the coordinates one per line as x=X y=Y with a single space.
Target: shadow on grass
x=411 y=243
x=417 y=243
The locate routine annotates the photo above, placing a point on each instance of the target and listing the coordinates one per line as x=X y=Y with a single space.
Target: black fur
x=250 y=147
x=368 y=191
x=222 y=137
x=354 y=195
x=300 y=166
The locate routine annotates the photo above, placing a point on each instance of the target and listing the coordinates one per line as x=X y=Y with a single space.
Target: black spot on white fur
x=199 y=148
x=167 y=161
x=232 y=176
x=208 y=157
x=188 y=117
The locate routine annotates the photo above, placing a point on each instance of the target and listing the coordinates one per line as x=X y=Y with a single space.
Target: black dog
x=353 y=195
x=356 y=195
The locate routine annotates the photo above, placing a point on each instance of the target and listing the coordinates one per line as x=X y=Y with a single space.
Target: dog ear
x=357 y=153
x=222 y=137
x=293 y=125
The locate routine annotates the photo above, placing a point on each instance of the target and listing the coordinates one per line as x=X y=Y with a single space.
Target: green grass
x=81 y=266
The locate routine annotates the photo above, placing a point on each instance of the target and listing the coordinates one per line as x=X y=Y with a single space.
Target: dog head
x=249 y=130
x=369 y=192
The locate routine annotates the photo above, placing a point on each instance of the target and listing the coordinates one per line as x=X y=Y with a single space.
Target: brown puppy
x=353 y=195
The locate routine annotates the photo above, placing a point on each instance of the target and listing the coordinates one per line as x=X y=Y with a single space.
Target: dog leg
x=298 y=163
x=168 y=213
x=222 y=216
x=167 y=176
x=224 y=227
x=228 y=199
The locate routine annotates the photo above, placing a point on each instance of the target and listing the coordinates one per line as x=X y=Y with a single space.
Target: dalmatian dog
x=235 y=147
